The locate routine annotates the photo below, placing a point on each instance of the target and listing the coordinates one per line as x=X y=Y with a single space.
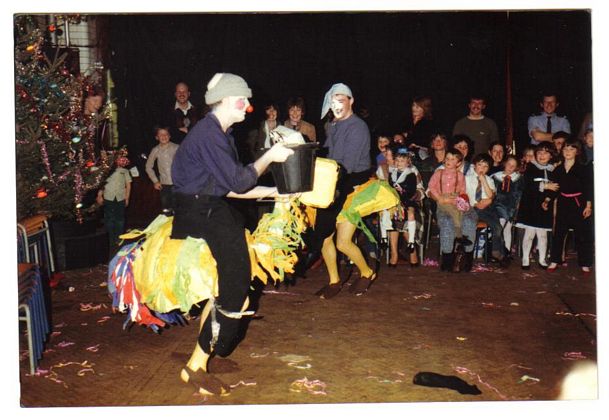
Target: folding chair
x=32 y=311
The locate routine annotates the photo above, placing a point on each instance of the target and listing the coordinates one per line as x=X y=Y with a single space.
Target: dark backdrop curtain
x=386 y=58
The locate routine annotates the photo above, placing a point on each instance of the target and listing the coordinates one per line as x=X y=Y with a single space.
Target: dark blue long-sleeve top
x=207 y=162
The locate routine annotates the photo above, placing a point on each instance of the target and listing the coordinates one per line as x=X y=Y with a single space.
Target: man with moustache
x=185 y=114
x=478 y=127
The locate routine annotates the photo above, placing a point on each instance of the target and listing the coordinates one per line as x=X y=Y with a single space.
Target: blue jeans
x=447 y=229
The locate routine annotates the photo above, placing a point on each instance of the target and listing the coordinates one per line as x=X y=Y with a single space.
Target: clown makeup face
x=238 y=106
x=341 y=106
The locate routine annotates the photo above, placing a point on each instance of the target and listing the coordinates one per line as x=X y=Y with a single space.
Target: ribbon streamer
x=315 y=387
x=464 y=370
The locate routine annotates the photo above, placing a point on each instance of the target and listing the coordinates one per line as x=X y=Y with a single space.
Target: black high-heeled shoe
x=392 y=265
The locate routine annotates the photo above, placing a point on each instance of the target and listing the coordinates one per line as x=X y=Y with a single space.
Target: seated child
x=508 y=185
x=407 y=182
x=456 y=220
x=481 y=192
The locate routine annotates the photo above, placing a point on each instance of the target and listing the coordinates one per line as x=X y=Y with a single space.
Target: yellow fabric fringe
x=168 y=274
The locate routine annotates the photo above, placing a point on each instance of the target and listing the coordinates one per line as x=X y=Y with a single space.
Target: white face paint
x=237 y=106
x=337 y=107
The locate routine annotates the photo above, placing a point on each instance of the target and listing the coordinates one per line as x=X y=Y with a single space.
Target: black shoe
x=447 y=262
x=525 y=267
x=463 y=240
x=289 y=279
x=411 y=247
x=304 y=263
x=469 y=262
x=392 y=265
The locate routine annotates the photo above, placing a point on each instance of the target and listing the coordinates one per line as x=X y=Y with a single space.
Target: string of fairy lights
x=58 y=160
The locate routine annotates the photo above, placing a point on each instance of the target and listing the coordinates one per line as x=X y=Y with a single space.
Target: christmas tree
x=57 y=159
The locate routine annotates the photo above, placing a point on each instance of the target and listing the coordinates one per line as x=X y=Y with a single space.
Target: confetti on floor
x=573 y=355
x=315 y=387
x=525 y=378
x=464 y=370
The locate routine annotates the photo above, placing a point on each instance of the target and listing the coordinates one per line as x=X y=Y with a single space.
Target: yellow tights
x=344 y=243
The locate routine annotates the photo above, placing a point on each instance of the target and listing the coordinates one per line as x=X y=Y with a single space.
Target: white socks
x=507 y=233
x=542 y=245
x=527 y=243
x=412 y=230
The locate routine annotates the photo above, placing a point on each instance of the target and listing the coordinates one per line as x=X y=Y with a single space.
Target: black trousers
x=325 y=221
x=569 y=216
x=214 y=220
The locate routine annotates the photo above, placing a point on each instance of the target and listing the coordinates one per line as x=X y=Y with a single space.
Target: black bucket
x=297 y=172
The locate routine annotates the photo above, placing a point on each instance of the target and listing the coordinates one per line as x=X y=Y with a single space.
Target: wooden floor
x=514 y=334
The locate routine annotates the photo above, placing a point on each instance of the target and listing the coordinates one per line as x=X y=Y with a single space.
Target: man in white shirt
x=185 y=113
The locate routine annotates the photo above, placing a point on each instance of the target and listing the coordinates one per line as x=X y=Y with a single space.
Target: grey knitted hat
x=226 y=84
